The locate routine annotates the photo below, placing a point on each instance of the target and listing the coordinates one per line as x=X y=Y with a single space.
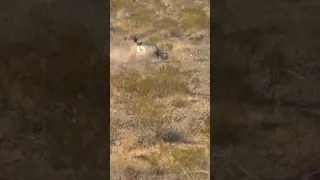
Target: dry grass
x=147 y=104
x=159 y=123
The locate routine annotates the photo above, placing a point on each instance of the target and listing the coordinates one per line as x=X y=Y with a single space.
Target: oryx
x=144 y=50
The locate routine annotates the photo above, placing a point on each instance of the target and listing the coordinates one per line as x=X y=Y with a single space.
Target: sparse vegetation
x=194 y=18
x=166 y=81
x=178 y=102
x=144 y=98
x=176 y=160
x=116 y=6
x=143 y=17
x=153 y=105
x=147 y=108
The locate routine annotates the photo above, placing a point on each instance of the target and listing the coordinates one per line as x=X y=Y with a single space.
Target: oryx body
x=144 y=50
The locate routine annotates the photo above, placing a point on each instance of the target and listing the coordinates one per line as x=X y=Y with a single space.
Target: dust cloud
x=118 y=55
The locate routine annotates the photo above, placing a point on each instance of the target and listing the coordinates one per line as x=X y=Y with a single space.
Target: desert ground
x=160 y=110
x=265 y=77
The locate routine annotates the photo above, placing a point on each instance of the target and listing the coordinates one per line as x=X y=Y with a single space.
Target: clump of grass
x=116 y=5
x=154 y=39
x=143 y=16
x=170 y=135
x=167 y=22
x=194 y=18
x=159 y=6
x=187 y=161
x=178 y=102
x=154 y=131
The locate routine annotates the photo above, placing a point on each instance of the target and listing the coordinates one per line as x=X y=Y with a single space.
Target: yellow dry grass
x=159 y=122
